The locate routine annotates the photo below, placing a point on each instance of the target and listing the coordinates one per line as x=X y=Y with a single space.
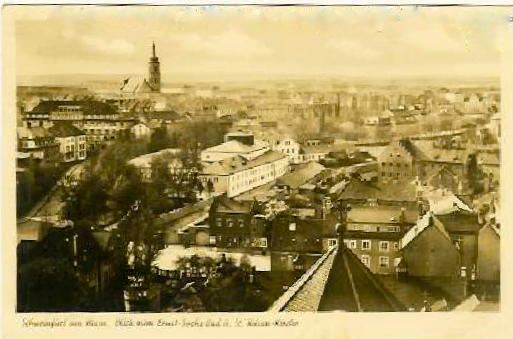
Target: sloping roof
x=402 y=190
x=88 y=106
x=381 y=214
x=238 y=163
x=305 y=294
x=429 y=219
x=235 y=146
x=338 y=281
x=301 y=176
x=442 y=201
x=65 y=129
x=135 y=85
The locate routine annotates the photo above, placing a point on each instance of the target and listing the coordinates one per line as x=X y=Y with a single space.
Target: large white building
x=237 y=174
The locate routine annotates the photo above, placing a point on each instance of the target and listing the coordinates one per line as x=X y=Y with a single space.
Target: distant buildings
x=100 y=121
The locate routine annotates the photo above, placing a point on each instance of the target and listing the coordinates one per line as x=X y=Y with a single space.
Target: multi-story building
x=100 y=121
x=37 y=142
x=373 y=234
x=237 y=174
x=72 y=141
x=235 y=225
x=406 y=159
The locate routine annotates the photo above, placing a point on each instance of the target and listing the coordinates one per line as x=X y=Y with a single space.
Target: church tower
x=154 y=72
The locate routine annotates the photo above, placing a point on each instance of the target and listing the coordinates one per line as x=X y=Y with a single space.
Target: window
x=383 y=262
x=292 y=226
x=352 y=244
x=366 y=245
x=241 y=222
x=366 y=260
x=384 y=246
x=393 y=228
x=229 y=222
x=331 y=242
x=396 y=245
x=219 y=222
x=212 y=240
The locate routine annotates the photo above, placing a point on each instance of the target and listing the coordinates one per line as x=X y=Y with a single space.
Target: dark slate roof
x=338 y=281
x=65 y=129
x=89 y=106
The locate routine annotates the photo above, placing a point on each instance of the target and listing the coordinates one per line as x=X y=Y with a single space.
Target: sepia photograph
x=273 y=159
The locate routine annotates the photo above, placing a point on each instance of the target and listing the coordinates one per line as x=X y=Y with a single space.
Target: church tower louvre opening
x=154 y=71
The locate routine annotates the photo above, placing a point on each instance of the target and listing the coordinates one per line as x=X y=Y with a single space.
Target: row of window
x=384 y=262
x=229 y=222
x=398 y=165
x=372 y=228
x=384 y=246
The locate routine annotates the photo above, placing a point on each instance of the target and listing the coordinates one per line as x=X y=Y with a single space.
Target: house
x=140 y=131
x=420 y=159
x=428 y=250
x=234 y=225
x=373 y=233
x=288 y=146
x=297 y=242
x=72 y=141
x=237 y=174
x=37 y=142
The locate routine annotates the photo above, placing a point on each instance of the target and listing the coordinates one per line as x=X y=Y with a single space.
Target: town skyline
x=224 y=43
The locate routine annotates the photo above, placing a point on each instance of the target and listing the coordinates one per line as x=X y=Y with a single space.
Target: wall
x=488 y=260
x=431 y=254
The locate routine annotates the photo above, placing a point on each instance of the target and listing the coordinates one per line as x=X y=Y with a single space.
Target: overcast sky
x=353 y=41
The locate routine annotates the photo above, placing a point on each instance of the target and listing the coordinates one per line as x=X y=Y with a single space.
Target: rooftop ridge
x=286 y=297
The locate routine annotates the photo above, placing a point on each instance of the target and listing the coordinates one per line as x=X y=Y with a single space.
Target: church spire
x=154 y=49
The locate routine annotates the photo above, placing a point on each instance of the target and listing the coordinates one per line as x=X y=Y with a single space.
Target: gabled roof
x=429 y=219
x=65 y=129
x=442 y=201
